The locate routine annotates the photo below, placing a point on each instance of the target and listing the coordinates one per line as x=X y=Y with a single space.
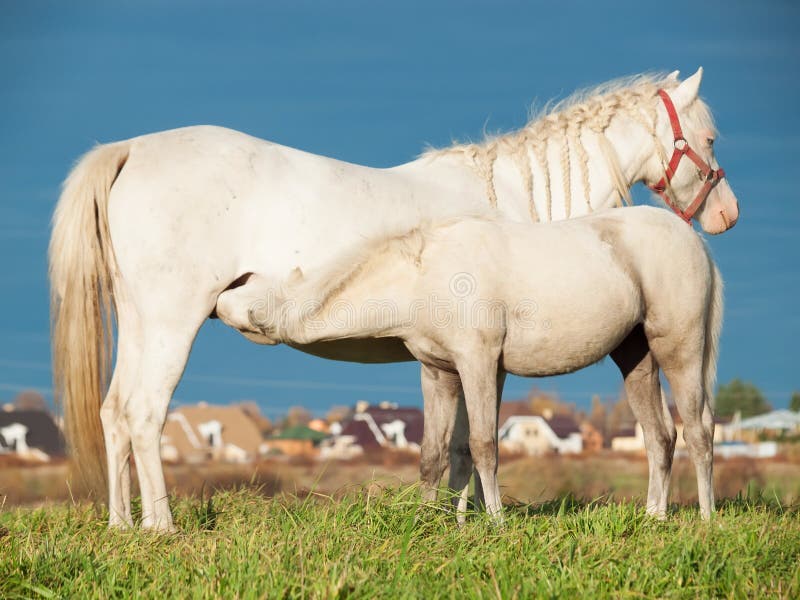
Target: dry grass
x=526 y=479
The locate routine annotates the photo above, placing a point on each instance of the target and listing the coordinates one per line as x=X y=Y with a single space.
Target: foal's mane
x=590 y=109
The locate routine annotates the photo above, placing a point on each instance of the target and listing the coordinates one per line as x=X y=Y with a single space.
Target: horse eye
x=710 y=141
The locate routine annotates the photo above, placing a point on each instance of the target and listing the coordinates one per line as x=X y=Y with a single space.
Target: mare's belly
x=372 y=350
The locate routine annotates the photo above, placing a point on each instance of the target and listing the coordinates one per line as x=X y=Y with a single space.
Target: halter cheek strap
x=710 y=177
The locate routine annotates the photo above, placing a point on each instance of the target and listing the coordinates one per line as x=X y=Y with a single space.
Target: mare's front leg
x=479 y=378
x=441 y=392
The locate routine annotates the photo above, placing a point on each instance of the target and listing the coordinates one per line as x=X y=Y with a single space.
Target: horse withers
x=481 y=297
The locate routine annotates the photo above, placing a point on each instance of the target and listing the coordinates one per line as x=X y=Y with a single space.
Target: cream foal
x=483 y=297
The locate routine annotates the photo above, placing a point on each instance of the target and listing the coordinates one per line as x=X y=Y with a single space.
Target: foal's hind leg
x=643 y=390
x=682 y=362
x=441 y=392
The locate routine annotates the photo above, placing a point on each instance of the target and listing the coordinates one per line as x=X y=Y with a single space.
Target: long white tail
x=713 y=329
x=82 y=303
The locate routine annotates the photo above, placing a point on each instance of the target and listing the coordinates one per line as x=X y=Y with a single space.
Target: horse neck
x=575 y=170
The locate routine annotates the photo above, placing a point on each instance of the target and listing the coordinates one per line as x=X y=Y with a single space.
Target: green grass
x=241 y=544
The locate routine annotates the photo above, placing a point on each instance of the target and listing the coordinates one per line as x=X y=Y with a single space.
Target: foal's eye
x=710 y=142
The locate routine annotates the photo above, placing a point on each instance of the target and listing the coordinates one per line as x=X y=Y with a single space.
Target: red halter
x=710 y=177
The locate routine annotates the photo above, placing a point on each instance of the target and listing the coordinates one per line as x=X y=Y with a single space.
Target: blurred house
x=30 y=434
x=536 y=435
x=205 y=432
x=372 y=427
x=770 y=425
x=628 y=440
x=722 y=431
x=297 y=440
x=632 y=439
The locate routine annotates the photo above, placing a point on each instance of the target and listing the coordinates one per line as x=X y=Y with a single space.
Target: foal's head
x=697 y=188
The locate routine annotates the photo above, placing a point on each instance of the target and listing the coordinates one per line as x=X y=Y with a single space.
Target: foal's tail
x=82 y=304
x=713 y=329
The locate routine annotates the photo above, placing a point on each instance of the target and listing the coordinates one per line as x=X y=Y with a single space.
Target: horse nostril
x=728 y=223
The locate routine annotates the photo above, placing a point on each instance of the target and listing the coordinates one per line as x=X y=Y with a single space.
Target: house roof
x=43 y=433
x=361 y=432
x=182 y=428
x=366 y=427
x=412 y=417
x=513 y=408
x=777 y=419
x=563 y=425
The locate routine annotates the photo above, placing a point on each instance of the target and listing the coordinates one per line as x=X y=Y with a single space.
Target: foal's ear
x=296 y=276
x=674 y=76
x=687 y=91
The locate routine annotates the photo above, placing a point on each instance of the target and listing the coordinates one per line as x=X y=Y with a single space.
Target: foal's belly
x=557 y=346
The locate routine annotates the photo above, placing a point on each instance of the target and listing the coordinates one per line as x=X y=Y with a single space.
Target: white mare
x=153 y=229
x=528 y=299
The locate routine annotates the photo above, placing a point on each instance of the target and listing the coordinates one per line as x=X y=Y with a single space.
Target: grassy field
x=382 y=543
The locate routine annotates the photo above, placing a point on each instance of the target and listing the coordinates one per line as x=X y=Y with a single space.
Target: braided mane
x=568 y=120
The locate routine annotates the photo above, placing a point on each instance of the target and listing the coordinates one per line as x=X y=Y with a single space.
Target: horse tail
x=82 y=304
x=713 y=329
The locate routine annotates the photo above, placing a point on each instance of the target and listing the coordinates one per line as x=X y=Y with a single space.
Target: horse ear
x=687 y=91
x=674 y=76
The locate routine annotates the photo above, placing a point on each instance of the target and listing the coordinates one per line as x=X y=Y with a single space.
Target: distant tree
x=794 y=404
x=337 y=414
x=542 y=403
x=621 y=416
x=598 y=416
x=297 y=415
x=741 y=396
x=30 y=400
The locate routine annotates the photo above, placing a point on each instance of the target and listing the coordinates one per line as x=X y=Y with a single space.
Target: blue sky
x=374 y=82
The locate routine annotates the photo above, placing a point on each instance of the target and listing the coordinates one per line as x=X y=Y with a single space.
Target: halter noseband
x=710 y=177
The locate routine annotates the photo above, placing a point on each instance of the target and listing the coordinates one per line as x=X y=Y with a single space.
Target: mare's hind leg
x=165 y=350
x=118 y=451
x=479 y=378
x=441 y=392
x=643 y=390
x=112 y=414
x=480 y=500
x=460 y=460
x=682 y=362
